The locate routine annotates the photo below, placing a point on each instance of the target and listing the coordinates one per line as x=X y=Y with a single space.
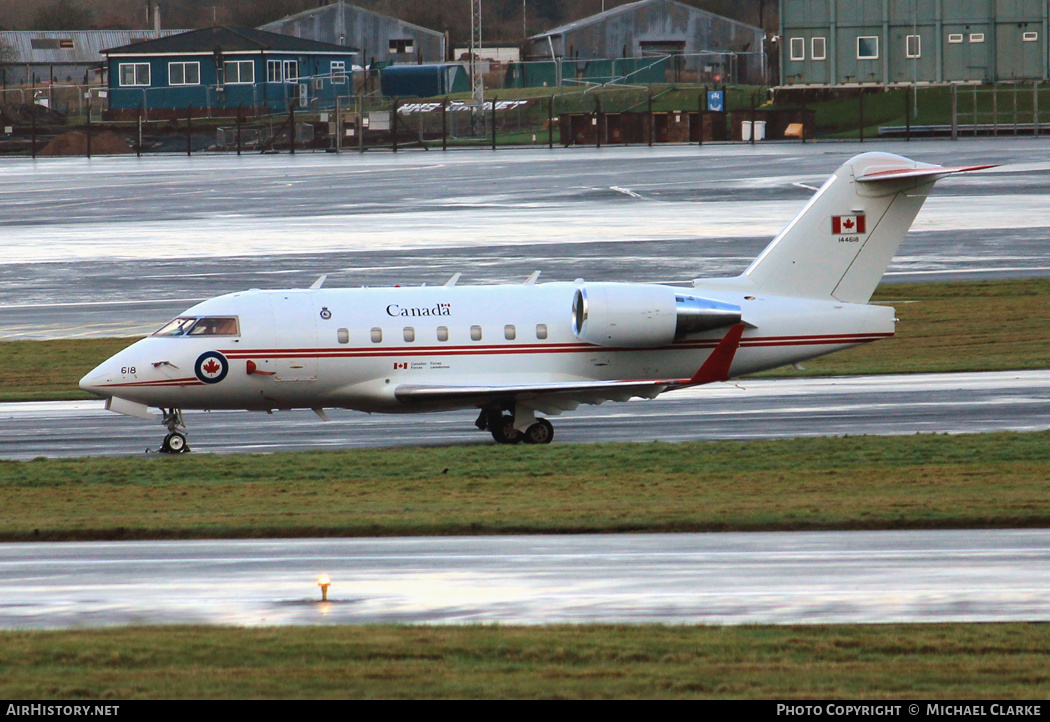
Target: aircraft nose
x=95 y=380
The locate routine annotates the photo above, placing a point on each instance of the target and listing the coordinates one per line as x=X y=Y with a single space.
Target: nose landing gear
x=175 y=441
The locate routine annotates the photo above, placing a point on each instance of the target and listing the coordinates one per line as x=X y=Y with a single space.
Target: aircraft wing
x=553 y=398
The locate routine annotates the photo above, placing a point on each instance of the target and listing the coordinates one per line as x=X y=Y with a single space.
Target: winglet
x=716 y=367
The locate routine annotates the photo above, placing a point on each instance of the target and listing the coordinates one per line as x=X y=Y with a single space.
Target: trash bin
x=760 y=130
x=745 y=131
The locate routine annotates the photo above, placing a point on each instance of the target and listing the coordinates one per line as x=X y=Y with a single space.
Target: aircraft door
x=295 y=335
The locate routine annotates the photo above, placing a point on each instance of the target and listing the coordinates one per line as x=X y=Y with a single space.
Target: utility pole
x=477 y=82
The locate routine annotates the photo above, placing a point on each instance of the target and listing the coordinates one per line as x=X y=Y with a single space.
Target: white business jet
x=515 y=351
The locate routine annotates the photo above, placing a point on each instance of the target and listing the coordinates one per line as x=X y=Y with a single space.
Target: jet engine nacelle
x=643 y=316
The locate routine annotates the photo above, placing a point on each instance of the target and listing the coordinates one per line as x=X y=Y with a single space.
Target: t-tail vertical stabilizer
x=840 y=244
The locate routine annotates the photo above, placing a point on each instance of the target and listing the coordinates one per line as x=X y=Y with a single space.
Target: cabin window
x=913 y=46
x=206 y=326
x=868 y=47
x=818 y=49
x=509 y=332
x=410 y=334
x=239 y=72
x=442 y=333
x=291 y=71
x=184 y=73
x=338 y=71
x=541 y=331
x=343 y=335
x=273 y=71
x=377 y=335
x=134 y=73
x=475 y=333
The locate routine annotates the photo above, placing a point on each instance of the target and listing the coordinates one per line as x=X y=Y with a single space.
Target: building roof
x=232 y=39
x=341 y=7
x=630 y=8
x=68 y=47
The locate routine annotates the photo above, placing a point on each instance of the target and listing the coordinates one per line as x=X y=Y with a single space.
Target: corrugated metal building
x=843 y=42
x=381 y=39
x=32 y=57
x=705 y=47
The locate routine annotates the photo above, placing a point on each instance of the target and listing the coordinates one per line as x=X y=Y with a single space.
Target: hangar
x=382 y=40
x=702 y=46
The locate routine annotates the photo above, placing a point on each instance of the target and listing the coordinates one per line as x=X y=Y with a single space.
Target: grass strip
x=910 y=482
x=869 y=662
x=957 y=326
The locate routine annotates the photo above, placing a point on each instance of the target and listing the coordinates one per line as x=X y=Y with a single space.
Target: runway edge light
x=324 y=581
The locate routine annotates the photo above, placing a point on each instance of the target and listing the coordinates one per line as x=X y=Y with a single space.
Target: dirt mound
x=75 y=143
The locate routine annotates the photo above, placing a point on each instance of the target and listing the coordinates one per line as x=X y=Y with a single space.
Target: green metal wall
x=958 y=41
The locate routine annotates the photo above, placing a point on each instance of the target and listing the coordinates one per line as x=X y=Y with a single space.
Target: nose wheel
x=175 y=441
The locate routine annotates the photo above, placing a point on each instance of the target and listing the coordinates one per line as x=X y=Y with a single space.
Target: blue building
x=214 y=70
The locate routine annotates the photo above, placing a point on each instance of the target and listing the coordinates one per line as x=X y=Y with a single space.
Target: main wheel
x=503 y=430
x=174 y=443
x=542 y=432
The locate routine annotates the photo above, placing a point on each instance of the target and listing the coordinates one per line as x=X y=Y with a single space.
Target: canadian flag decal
x=399 y=365
x=841 y=225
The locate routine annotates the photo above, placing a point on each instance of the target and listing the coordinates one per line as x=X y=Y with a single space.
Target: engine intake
x=644 y=316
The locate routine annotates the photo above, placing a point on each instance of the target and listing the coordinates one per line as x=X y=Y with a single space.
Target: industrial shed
x=885 y=42
x=382 y=40
x=700 y=46
x=33 y=57
x=215 y=70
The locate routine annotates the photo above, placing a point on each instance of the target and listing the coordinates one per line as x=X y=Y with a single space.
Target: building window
x=402 y=47
x=343 y=335
x=442 y=333
x=184 y=73
x=475 y=333
x=239 y=72
x=377 y=335
x=541 y=331
x=291 y=71
x=913 y=46
x=868 y=47
x=798 y=48
x=955 y=38
x=134 y=73
x=273 y=71
x=338 y=71
x=818 y=49
x=1030 y=37
x=976 y=37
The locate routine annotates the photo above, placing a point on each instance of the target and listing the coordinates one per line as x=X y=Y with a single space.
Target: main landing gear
x=501 y=426
x=175 y=441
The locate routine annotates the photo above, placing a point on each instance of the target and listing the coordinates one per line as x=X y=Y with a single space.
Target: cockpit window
x=177 y=327
x=221 y=326
x=207 y=326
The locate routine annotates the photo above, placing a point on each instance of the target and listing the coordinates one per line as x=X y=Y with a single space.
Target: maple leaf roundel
x=211 y=367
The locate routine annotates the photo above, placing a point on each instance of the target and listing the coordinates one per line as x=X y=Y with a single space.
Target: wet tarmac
x=754 y=578
x=117 y=246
